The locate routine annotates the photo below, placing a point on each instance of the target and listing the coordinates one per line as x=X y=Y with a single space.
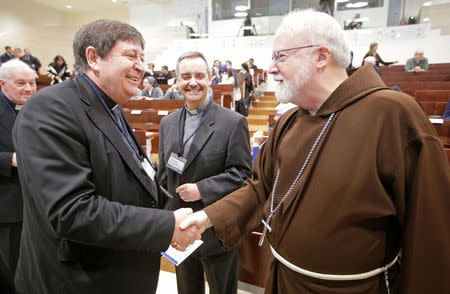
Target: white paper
x=436 y=120
x=176 y=256
x=163 y=112
x=136 y=111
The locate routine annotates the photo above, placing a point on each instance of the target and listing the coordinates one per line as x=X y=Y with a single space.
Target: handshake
x=188 y=227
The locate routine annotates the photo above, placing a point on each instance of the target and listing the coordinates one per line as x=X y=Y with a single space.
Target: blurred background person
x=356 y=23
x=8 y=55
x=164 y=75
x=17 y=52
x=246 y=80
x=58 y=70
x=373 y=52
x=228 y=78
x=418 y=63
x=31 y=60
x=151 y=88
x=174 y=93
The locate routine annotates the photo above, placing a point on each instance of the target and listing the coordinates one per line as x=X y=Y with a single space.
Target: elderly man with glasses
x=349 y=184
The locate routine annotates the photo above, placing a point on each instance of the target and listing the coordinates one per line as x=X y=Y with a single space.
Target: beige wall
x=47 y=32
x=438 y=15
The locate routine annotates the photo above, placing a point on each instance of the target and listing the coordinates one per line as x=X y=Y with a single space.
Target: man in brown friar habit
x=352 y=186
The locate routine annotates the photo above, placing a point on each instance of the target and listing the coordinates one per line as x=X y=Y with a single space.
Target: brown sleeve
x=426 y=238
x=242 y=210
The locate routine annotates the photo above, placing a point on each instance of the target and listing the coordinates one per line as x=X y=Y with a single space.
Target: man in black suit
x=18 y=84
x=163 y=76
x=31 y=60
x=204 y=154
x=8 y=55
x=92 y=223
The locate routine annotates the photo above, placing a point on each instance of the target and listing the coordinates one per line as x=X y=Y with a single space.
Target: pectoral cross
x=266 y=227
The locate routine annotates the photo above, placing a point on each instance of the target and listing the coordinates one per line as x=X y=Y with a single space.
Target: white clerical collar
x=199 y=109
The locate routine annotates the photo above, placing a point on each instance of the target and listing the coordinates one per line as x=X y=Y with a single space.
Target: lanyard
x=183 y=144
x=123 y=131
x=9 y=105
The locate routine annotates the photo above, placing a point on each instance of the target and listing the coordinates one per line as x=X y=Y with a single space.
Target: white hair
x=319 y=29
x=369 y=59
x=6 y=67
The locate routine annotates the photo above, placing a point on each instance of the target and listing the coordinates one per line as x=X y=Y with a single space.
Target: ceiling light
x=68 y=6
x=426 y=19
x=241 y=8
x=114 y=1
x=240 y=14
x=427 y=4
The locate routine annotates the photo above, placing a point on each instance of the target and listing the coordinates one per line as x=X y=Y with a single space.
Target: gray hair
x=319 y=29
x=102 y=34
x=191 y=54
x=152 y=81
x=6 y=68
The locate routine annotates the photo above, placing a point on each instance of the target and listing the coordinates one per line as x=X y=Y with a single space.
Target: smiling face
x=193 y=81
x=20 y=85
x=120 y=72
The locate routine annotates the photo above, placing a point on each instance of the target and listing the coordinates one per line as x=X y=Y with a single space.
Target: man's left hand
x=189 y=192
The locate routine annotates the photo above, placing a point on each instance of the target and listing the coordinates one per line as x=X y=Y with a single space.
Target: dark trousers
x=221 y=272
x=10 y=243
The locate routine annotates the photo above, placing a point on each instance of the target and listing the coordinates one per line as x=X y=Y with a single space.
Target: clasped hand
x=188 y=227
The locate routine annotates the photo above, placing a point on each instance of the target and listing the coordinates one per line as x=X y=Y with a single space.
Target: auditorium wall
x=46 y=32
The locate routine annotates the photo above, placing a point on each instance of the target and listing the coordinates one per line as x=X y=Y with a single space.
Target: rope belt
x=329 y=277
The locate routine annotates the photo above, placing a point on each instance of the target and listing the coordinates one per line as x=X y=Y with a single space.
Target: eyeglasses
x=276 y=58
x=188 y=76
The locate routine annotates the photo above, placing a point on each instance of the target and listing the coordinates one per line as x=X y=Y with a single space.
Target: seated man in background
x=418 y=63
x=163 y=76
x=151 y=88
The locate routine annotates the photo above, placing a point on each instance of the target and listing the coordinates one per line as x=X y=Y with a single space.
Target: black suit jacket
x=218 y=161
x=90 y=225
x=5 y=57
x=31 y=61
x=10 y=192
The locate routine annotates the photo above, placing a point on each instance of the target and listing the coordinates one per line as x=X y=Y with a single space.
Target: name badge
x=148 y=169
x=176 y=163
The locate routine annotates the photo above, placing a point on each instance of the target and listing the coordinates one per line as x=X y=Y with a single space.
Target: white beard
x=290 y=88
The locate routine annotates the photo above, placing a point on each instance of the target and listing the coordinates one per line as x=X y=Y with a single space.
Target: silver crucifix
x=266 y=227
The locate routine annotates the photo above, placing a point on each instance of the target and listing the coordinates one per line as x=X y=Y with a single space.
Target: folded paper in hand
x=176 y=256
